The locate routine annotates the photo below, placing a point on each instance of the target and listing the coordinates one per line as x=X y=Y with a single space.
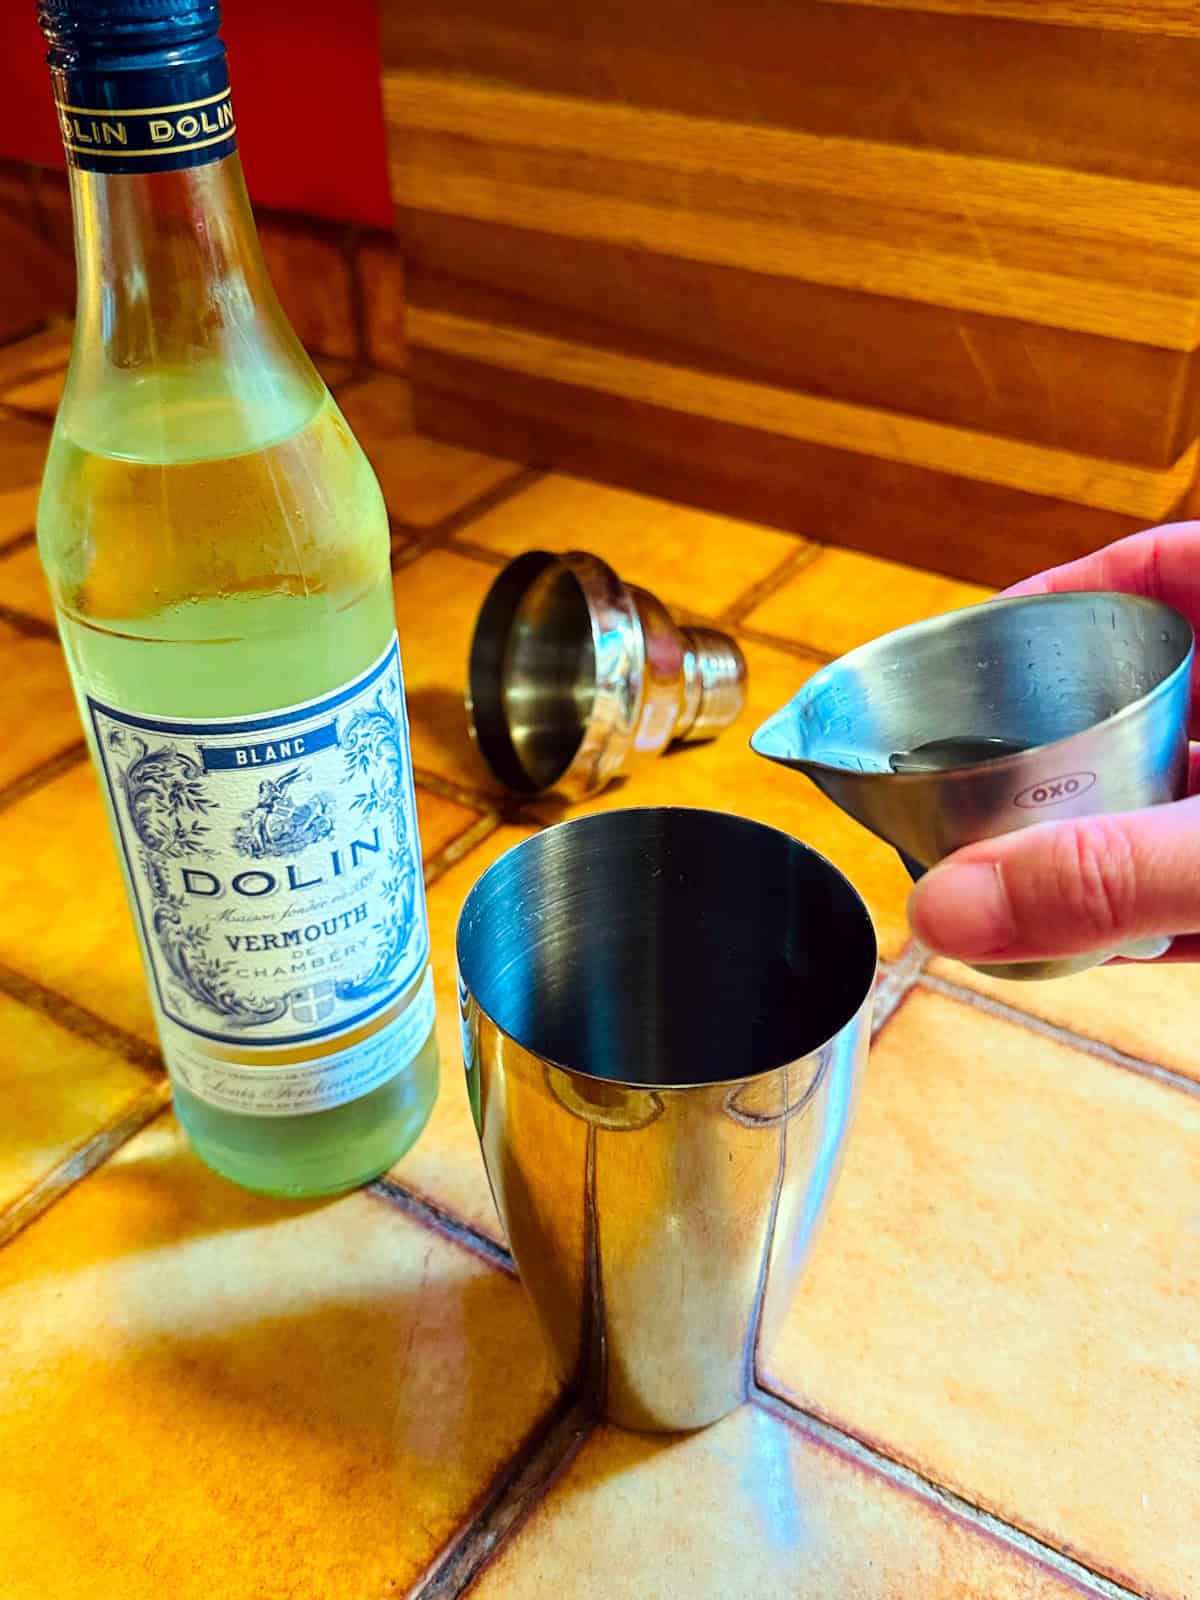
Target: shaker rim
x=815 y=1051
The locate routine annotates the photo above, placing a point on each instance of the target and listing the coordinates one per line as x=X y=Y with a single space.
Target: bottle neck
x=179 y=336
x=169 y=267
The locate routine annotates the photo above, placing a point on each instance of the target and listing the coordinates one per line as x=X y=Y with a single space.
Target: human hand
x=1092 y=883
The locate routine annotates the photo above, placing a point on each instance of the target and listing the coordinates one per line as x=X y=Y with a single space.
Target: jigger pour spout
x=996 y=717
x=576 y=676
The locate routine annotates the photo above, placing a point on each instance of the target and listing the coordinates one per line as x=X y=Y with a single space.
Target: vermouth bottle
x=217 y=548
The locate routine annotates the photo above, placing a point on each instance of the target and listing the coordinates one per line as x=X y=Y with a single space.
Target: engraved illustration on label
x=274 y=860
x=1053 y=791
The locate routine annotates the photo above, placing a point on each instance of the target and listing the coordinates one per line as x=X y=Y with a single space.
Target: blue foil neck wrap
x=139 y=85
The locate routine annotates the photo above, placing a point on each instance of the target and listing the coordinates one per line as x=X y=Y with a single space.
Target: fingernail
x=963 y=910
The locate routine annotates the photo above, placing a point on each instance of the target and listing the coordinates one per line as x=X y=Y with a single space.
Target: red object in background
x=306 y=92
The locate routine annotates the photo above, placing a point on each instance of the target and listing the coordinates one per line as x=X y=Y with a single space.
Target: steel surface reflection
x=665 y=1017
x=997 y=717
x=576 y=676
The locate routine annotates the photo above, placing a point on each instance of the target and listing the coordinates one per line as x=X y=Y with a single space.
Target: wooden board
x=1086 y=98
x=997 y=375
x=1177 y=18
x=786 y=413
x=824 y=224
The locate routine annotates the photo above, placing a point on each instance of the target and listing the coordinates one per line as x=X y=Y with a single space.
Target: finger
x=1160 y=563
x=1065 y=888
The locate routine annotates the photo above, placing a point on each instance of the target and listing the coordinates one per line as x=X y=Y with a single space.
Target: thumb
x=1065 y=888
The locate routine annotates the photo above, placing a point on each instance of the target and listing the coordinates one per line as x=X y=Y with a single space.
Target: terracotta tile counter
x=989 y=1384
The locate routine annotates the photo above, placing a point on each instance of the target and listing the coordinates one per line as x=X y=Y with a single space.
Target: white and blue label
x=275 y=868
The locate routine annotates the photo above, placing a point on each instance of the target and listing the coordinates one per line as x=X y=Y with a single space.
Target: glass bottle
x=217 y=548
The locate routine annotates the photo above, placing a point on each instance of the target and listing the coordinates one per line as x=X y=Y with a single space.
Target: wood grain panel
x=971 y=530
x=1177 y=18
x=1020 y=241
x=1010 y=463
x=993 y=374
x=928 y=254
x=1085 y=98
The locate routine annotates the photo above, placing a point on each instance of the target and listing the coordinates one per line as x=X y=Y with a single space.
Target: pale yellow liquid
x=216 y=554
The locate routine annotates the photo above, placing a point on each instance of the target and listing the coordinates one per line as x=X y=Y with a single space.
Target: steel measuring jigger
x=665 y=1015
x=575 y=676
x=996 y=717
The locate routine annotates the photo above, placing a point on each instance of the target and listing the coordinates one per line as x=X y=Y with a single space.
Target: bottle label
x=152 y=120
x=318 y=1084
x=275 y=866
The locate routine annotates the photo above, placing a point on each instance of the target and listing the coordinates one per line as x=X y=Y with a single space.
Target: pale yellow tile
x=68 y=923
x=1152 y=1012
x=217 y=1396
x=56 y=1091
x=695 y=559
x=23 y=444
x=445 y=1165
x=843 y=599
x=23 y=584
x=751 y=1507
x=423 y=480
x=1006 y=1291
x=36 y=704
x=438 y=597
x=724 y=774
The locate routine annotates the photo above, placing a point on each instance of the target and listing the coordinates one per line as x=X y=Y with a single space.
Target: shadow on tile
x=438 y=711
x=174 y=1197
x=335 y=1382
x=277 y=1368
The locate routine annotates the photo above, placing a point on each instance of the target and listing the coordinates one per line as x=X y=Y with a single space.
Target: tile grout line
x=18 y=541
x=445 y=528
x=46 y=772
x=791 y=647
x=450 y=789
x=404 y=554
x=516 y=1491
x=1065 y=1036
x=30 y=627
x=77 y=1019
x=13 y=413
x=899 y=980
x=874 y=1460
x=461 y=847
x=443 y=1222
x=477 y=552
x=794 y=562
x=30 y=413
x=93 y=1153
